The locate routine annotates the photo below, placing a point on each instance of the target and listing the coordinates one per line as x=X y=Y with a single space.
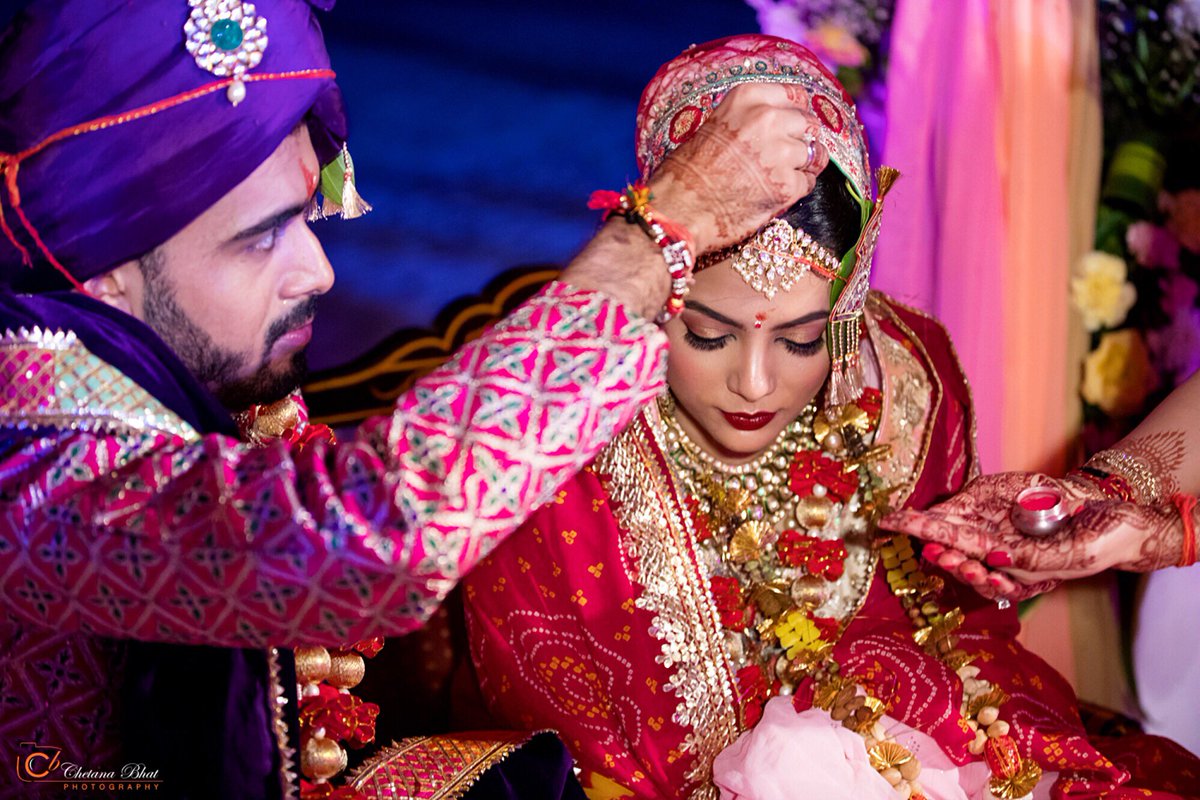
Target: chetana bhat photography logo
x=46 y=764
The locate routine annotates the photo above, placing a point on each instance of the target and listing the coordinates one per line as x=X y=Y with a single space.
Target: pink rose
x=1152 y=246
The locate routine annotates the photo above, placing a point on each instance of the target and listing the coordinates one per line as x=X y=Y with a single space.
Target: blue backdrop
x=478 y=131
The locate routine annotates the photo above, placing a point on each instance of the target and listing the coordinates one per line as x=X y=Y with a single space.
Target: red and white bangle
x=634 y=205
x=1110 y=485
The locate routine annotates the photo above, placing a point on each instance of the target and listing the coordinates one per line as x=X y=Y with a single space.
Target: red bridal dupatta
x=596 y=619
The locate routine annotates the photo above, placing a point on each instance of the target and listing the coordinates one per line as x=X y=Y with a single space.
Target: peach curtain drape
x=993 y=119
x=993 y=115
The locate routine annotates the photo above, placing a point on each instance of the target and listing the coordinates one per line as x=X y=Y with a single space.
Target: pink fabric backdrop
x=979 y=230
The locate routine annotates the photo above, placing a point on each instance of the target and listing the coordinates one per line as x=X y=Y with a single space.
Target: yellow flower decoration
x=798 y=633
x=639 y=195
x=1117 y=375
x=1101 y=291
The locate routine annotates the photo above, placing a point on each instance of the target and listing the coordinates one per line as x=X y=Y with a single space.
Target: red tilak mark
x=310 y=177
x=759 y=318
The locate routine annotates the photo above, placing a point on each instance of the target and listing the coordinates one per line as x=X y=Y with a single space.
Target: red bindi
x=759 y=318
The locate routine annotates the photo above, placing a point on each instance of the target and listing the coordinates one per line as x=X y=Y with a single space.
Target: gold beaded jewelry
x=764 y=479
x=1133 y=470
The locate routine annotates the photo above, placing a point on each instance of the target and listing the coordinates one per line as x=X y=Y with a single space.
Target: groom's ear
x=122 y=288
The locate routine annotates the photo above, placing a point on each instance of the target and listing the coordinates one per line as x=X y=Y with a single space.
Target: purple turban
x=98 y=195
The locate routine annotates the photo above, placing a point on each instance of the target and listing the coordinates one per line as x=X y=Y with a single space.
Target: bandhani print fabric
x=126 y=523
x=599 y=619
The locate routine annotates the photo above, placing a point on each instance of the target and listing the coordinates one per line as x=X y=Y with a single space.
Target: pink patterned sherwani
x=118 y=520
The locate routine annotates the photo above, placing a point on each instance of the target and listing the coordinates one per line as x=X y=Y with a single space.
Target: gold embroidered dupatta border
x=437 y=767
x=882 y=304
x=911 y=401
x=53 y=381
x=656 y=535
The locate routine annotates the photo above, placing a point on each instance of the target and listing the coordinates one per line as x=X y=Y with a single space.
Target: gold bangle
x=1133 y=470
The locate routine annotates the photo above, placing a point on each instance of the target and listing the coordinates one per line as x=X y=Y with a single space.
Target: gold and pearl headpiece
x=778 y=256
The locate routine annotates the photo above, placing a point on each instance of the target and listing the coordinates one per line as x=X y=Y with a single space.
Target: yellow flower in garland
x=1102 y=292
x=801 y=633
x=1117 y=375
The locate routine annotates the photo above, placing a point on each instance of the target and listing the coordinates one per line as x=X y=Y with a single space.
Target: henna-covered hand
x=973 y=529
x=1152 y=535
x=749 y=161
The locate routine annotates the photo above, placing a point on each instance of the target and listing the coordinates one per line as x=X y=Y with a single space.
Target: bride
x=706 y=608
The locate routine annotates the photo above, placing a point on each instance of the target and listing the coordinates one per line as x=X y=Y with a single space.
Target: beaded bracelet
x=634 y=205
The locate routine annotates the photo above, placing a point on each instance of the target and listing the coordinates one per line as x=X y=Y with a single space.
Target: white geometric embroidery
x=173 y=536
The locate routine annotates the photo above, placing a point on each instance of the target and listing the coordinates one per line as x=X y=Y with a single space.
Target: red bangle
x=1112 y=485
x=634 y=205
x=1186 y=504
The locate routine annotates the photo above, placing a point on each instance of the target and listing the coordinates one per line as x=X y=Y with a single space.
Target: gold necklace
x=764 y=480
x=732 y=491
x=740 y=518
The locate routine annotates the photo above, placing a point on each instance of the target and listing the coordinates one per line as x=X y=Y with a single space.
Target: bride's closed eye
x=705 y=343
x=710 y=343
x=803 y=348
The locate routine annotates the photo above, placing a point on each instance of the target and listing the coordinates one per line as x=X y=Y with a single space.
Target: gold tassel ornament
x=339 y=195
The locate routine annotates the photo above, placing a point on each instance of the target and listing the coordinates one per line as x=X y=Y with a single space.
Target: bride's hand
x=972 y=536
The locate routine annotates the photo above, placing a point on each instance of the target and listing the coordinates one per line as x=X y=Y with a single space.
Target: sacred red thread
x=1186 y=504
x=10 y=164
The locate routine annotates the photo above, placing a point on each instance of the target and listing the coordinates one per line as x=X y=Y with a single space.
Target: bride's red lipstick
x=749 y=422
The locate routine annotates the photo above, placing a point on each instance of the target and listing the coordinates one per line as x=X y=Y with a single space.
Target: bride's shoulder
x=922 y=330
x=882 y=307
x=925 y=336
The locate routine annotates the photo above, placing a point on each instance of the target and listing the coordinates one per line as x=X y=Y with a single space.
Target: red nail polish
x=999 y=558
x=933 y=550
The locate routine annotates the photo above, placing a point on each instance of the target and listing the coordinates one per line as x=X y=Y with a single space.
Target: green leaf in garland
x=333 y=177
x=338 y=190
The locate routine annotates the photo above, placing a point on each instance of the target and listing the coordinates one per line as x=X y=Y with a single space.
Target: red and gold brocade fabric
x=119 y=520
x=596 y=619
